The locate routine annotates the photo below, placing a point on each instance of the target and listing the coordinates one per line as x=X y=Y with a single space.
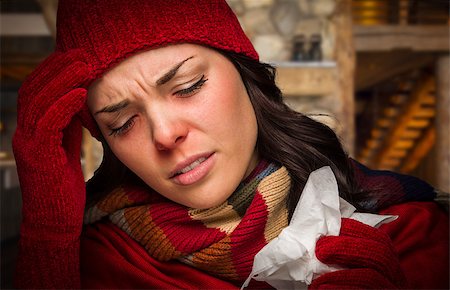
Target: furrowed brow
x=114 y=107
x=171 y=73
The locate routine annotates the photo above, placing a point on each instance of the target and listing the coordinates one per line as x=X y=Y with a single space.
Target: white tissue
x=289 y=260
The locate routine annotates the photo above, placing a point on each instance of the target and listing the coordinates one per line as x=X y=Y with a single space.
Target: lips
x=189 y=164
x=193 y=169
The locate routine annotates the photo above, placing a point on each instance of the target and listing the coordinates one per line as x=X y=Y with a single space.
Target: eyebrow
x=114 y=108
x=161 y=81
x=171 y=73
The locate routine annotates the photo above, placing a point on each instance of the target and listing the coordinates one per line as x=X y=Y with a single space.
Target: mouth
x=192 y=169
x=190 y=166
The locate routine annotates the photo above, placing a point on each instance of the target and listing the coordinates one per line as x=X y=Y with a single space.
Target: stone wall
x=310 y=44
x=274 y=25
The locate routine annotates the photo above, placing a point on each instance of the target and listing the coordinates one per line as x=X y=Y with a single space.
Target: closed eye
x=192 y=89
x=124 y=128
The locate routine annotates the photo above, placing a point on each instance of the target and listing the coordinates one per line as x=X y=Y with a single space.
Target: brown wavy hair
x=285 y=137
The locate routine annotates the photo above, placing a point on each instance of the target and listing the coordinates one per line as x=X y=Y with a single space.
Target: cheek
x=234 y=112
x=231 y=122
x=228 y=101
x=133 y=151
x=140 y=161
x=126 y=153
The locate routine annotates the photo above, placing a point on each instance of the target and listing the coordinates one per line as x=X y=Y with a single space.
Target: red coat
x=421 y=238
x=111 y=259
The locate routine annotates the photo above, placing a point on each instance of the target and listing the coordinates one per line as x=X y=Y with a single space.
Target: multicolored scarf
x=224 y=240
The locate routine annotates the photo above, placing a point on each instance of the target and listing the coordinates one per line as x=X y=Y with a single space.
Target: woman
x=204 y=165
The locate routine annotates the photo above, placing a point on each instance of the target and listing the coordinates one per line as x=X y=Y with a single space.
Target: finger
x=51 y=68
x=89 y=122
x=39 y=101
x=63 y=110
x=36 y=95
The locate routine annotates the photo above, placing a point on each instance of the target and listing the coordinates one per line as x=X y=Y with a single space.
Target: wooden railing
x=401 y=12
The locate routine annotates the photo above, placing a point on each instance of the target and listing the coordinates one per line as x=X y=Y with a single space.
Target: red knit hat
x=110 y=30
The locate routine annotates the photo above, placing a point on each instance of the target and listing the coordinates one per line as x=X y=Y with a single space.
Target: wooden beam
x=413 y=123
x=374 y=143
x=398 y=153
x=389 y=163
x=411 y=133
x=443 y=123
x=375 y=67
x=384 y=122
x=411 y=37
x=426 y=113
x=307 y=80
x=18 y=67
x=49 y=9
x=402 y=144
x=23 y=24
x=16 y=72
x=420 y=150
x=400 y=135
x=345 y=56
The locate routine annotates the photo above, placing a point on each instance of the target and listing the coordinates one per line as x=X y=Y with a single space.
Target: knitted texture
x=367 y=252
x=421 y=239
x=111 y=259
x=48 y=165
x=383 y=188
x=110 y=30
x=222 y=240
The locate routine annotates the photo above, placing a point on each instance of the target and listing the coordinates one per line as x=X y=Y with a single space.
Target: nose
x=168 y=130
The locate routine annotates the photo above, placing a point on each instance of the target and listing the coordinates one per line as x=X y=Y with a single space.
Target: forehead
x=149 y=65
x=161 y=57
x=152 y=61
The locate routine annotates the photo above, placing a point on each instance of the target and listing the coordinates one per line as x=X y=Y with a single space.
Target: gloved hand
x=47 y=145
x=366 y=253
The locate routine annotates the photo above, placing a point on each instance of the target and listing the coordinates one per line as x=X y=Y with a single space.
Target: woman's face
x=180 y=118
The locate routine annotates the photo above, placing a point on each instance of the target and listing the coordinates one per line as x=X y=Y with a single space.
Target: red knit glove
x=47 y=150
x=367 y=254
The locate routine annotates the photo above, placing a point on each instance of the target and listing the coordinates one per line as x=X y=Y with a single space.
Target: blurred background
x=376 y=71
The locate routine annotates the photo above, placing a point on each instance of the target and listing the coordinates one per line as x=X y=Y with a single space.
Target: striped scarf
x=222 y=240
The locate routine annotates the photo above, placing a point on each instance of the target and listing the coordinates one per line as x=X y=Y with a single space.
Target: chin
x=205 y=204
x=207 y=196
x=205 y=201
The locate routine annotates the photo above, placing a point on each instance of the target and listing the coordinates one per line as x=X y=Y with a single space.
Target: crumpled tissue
x=289 y=260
